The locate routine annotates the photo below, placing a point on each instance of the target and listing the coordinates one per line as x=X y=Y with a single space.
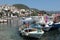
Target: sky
x=48 y=5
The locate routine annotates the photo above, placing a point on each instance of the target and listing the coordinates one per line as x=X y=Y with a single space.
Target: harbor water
x=9 y=31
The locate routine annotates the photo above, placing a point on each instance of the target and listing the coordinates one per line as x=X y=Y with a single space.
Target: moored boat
x=56 y=26
x=3 y=20
x=32 y=32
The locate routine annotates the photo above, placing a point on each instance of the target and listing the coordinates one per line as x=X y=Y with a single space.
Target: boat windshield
x=30 y=30
x=35 y=26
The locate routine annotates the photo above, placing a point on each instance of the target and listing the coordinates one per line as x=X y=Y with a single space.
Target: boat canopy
x=57 y=18
x=27 y=20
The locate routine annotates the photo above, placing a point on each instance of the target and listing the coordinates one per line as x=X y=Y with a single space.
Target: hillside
x=35 y=11
x=21 y=6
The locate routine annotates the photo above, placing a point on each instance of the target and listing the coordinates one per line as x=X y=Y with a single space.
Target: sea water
x=9 y=31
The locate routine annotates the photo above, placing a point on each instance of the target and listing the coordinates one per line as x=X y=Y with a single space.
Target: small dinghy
x=32 y=32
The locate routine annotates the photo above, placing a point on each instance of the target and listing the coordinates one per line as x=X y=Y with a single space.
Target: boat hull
x=55 y=26
x=35 y=34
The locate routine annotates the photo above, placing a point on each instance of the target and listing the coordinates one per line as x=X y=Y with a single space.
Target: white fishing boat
x=48 y=26
x=51 y=26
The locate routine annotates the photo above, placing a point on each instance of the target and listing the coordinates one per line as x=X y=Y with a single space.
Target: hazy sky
x=48 y=5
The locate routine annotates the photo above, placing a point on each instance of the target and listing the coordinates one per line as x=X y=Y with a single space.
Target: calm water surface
x=9 y=31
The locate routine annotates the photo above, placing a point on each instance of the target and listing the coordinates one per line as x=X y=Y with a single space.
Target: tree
x=34 y=11
x=1 y=14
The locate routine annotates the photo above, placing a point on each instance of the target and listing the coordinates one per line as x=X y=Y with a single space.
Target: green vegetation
x=21 y=6
x=1 y=14
x=34 y=12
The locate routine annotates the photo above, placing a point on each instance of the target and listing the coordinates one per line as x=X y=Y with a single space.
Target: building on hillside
x=24 y=12
x=9 y=10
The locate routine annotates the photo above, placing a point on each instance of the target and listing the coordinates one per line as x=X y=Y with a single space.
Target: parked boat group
x=36 y=26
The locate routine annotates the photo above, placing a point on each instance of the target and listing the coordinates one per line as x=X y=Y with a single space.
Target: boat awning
x=57 y=18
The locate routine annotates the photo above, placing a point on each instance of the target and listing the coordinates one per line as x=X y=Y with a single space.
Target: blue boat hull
x=52 y=27
x=55 y=26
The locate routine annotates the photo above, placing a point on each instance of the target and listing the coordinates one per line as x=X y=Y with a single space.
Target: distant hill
x=53 y=12
x=34 y=9
x=21 y=6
